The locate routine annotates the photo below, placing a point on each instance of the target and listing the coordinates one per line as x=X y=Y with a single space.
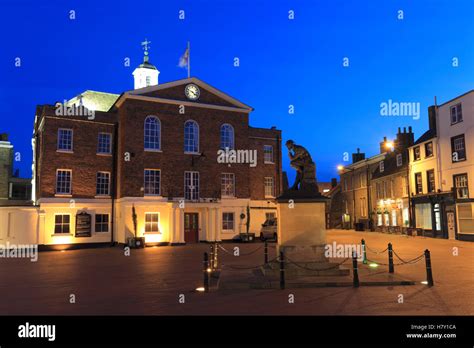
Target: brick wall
x=172 y=161
x=84 y=161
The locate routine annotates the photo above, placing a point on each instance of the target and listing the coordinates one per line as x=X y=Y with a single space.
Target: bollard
x=282 y=270
x=265 y=252
x=215 y=255
x=356 y=272
x=205 y=266
x=390 y=258
x=429 y=274
x=364 y=252
x=211 y=257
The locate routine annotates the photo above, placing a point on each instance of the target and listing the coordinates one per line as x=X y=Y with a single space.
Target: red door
x=191 y=227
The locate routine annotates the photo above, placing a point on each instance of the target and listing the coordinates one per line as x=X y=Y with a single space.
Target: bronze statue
x=301 y=160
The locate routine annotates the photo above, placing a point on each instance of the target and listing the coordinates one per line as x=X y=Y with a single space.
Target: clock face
x=192 y=91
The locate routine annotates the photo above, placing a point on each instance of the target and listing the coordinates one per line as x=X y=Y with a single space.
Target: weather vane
x=145 y=46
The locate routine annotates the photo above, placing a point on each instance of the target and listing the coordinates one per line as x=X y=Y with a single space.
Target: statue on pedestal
x=300 y=159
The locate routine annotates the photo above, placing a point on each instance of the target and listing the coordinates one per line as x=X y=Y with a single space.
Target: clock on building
x=192 y=91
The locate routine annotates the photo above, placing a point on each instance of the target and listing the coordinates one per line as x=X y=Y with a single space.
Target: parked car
x=269 y=229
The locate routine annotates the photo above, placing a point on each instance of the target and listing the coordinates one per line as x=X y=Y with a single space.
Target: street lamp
x=389 y=145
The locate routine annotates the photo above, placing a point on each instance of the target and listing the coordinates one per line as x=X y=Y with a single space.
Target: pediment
x=176 y=91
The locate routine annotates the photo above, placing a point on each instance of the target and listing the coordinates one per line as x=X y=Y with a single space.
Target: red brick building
x=182 y=153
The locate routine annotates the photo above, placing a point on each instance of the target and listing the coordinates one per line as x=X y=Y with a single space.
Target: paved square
x=150 y=281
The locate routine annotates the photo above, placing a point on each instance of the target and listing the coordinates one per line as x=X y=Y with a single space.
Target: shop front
x=435 y=215
x=392 y=215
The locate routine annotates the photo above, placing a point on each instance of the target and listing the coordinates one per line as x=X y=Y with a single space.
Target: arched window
x=191 y=137
x=227 y=136
x=152 y=133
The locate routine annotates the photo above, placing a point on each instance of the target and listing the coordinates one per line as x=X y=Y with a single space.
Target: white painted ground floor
x=455 y=221
x=65 y=221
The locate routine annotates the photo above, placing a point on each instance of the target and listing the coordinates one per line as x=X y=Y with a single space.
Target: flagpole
x=189 y=60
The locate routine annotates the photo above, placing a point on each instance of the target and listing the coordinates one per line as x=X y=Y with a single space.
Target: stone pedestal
x=302 y=234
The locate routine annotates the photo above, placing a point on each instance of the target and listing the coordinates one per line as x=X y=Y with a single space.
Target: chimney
x=333 y=182
x=383 y=149
x=357 y=157
x=404 y=140
x=3 y=136
x=432 y=118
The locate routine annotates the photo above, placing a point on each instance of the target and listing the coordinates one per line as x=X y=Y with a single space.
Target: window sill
x=269 y=162
x=269 y=197
x=148 y=233
x=61 y=235
x=227 y=231
x=102 y=196
x=452 y=124
x=153 y=150
x=65 y=151
x=192 y=153
x=63 y=195
x=105 y=154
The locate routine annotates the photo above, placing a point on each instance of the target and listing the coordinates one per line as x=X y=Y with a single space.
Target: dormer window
x=399 y=160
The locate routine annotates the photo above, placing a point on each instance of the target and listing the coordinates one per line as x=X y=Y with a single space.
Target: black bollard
x=205 y=267
x=429 y=274
x=390 y=258
x=282 y=270
x=265 y=252
x=355 y=270
x=211 y=257
x=364 y=252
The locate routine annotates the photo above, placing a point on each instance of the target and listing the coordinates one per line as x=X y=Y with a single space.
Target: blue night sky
x=282 y=61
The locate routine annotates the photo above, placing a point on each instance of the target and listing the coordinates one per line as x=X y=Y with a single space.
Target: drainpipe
x=369 y=211
x=410 y=213
x=438 y=149
x=114 y=182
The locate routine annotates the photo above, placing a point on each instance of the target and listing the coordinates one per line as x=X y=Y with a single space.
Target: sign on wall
x=83 y=225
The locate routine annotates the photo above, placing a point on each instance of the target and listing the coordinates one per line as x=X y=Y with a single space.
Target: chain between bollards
x=364 y=252
x=205 y=270
x=355 y=270
x=211 y=257
x=216 y=259
x=429 y=273
x=390 y=258
x=282 y=270
x=265 y=252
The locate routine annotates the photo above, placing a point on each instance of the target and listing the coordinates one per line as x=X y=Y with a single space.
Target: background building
x=442 y=170
x=389 y=186
x=355 y=189
x=13 y=189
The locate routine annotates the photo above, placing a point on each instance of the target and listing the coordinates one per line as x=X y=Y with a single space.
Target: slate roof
x=429 y=134
x=97 y=101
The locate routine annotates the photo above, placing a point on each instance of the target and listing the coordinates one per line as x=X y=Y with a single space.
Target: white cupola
x=146 y=74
